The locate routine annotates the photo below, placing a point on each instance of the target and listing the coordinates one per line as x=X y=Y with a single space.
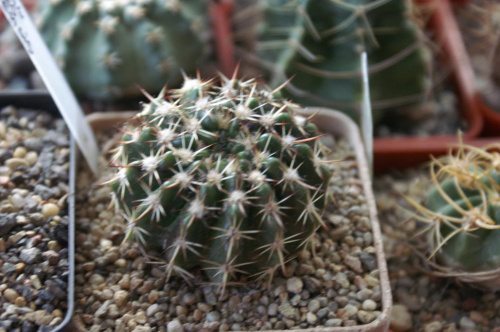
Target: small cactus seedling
x=227 y=178
x=462 y=213
x=108 y=47
x=319 y=43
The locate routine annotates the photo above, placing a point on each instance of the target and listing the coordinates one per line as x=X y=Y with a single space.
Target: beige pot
x=338 y=125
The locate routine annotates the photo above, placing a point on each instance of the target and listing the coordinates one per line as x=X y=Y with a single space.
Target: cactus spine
x=108 y=47
x=227 y=178
x=317 y=44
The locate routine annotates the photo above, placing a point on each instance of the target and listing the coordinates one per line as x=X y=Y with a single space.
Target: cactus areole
x=227 y=178
x=107 y=48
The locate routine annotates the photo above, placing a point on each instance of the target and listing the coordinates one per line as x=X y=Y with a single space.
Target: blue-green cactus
x=462 y=213
x=107 y=48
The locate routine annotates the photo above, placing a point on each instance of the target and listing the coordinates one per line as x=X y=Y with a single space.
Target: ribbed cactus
x=227 y=178
x=318 y=43
x=109 y=47
x=462 y=211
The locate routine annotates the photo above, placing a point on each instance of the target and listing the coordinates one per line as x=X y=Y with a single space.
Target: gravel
x=33 y=228
x=315 y=290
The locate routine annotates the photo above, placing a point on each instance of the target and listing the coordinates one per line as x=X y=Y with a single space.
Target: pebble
x=14 y=163
x=272 y=310
x=313 y=306
x=20 y=152
x=189 y=299
x=353 y=263
x=96 y=279
x=175 y=326
x=213 y=316
x=369 y=305
x=401 y=320
x=121 y=297
x=294 y=285
x=50 y=210
x=466 y=323
x=288 y=311
x=311 y=318
x=30 y=255
x=10 y=295
x=333 y=322
x=433 y=327
x=152 y=310
x=31 y=157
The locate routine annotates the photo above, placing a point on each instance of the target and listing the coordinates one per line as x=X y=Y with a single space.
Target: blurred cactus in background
x=109 y=47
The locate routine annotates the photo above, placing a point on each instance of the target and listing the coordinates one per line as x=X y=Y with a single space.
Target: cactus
x=108 y=47
x=462 y=212
x=227 y=178
x=317 y=45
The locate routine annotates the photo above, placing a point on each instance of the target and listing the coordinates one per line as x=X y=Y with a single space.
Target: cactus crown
x=462 y=211
x=319 y=43
x=108 y=47
x=225 y=177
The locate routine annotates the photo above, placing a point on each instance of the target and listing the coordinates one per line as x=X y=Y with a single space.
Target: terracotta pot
x=491 y=118
x=338 y=125
x=43 y=101
x=220 y=15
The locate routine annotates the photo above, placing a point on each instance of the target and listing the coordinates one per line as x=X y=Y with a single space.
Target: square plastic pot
x=340 y=126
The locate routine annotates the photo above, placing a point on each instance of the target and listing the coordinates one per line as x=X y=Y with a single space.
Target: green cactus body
x=318 y=44
x=477 y=249
x=108 y=47
x=225 y=178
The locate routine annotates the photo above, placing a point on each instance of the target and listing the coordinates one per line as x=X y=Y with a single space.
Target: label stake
x=54 y=79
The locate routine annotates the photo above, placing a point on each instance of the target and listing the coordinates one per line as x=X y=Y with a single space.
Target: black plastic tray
x=41 y=100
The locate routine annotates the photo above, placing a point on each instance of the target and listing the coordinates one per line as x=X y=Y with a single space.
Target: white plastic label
x=366 y=112
x=53 y=78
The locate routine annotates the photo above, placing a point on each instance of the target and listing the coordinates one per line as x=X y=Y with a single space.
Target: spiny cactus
x=318 y=43
x=462 y=211
x=108 y=47
x=227 y=178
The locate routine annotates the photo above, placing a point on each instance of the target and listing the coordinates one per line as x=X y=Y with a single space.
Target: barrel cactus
x=223 y=177
x=317 y=45
x=107 y=48
x=462 y=211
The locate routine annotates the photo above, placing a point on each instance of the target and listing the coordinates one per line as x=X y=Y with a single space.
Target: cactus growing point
x=227 y=178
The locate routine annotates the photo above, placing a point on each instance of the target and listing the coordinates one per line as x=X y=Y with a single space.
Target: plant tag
x=366 y=120
x=53 y=78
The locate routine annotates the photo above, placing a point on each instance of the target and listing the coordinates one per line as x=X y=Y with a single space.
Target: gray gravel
x=33 y=226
